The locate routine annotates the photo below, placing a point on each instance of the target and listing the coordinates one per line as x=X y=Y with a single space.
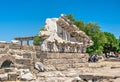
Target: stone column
x=21 y=42
x=50 y=47
x=83 y=49
x=28 y=42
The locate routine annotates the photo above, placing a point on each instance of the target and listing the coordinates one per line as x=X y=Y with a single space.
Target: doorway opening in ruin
x=7 y=64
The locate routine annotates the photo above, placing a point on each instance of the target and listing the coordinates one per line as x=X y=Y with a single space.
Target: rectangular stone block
x=72 y=61
x=64 y=60
x=82 y=60
x=14 y=46
x=27 y=55
x=25 y=67
x=53 y=55
x=2 y=71
x=57 y=61
x=63 y=55
x=3 y=77
x=12 y=76
x=68 y=55
x=9 y=69
x=2 y=46
x=41 y=56
x=79 y=55
x=79 y=65
x=26 y=47
x=61 y=67
x=24 y=61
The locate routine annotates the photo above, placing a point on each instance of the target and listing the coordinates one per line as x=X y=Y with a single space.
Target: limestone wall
x=25 y=57
x=28 y=55
x=18 y=46
x=63 y=61
x=19 y=55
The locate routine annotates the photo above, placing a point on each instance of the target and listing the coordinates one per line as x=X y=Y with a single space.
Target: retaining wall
x=63 y=61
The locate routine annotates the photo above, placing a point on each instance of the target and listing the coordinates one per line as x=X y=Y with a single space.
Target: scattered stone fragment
x=4 y=77
x=39 y=66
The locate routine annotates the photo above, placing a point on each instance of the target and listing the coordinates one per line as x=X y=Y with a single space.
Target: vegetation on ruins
x=104 y=42
x=37 y=40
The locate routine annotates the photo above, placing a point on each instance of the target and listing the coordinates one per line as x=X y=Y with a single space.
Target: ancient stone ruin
x=61 y=56
x=61 y=35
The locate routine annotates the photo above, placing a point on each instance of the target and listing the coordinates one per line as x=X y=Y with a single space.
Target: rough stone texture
x=24 y=61
x=39 y=66
x=26 y=58
x=59 y=67
x=61 y=35
x=14 y=46
x=7 y=70
x=100 y=71
x=63 y=61
x=50 y=68
x=58 y=61
x=6 y=57
x=26 y=75
x=12 y=76
x=2 y=71
x=27 y=55
x=4 y=77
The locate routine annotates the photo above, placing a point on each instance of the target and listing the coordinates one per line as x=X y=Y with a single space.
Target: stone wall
x=20 y=56
x=63 y=61
x=18 y=47
x=28 y=55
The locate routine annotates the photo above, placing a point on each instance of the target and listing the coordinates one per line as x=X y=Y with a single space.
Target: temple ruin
x=61 y=35
x=63 y=46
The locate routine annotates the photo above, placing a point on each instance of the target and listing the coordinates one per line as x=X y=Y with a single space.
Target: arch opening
x=7 y=64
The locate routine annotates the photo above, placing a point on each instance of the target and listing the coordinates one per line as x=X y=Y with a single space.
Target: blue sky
x=26 y=17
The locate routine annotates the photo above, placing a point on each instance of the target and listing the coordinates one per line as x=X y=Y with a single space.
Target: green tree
x=98 y=37
x=94 y=32
x=118 y=50
x=70 y=17
x=37 y=40
x=112 y=43
x=80 y=24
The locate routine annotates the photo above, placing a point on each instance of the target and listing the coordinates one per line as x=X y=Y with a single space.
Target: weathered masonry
x=61 y=35
x=63 y=46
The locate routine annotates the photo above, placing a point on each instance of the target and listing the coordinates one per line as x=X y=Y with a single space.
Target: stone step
x=94 y=76
x=113 y=59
